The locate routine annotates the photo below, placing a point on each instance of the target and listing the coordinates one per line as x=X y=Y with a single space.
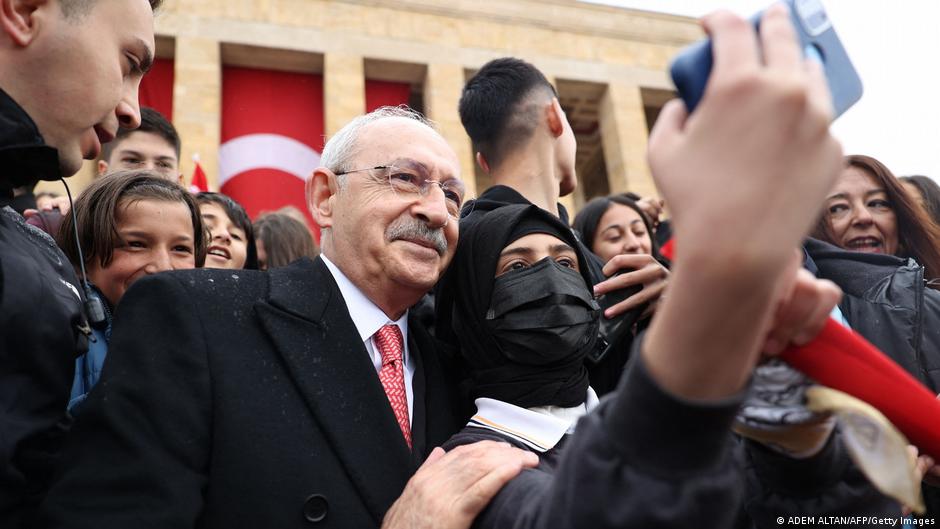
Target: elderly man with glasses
x=297 y=396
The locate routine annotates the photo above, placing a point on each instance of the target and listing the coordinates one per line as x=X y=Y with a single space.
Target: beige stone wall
x=197 y=103
x=442 y=88
x=624 y=135
x=624 y=49
x=344 y=90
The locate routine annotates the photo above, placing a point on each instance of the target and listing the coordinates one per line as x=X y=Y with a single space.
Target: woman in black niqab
x=523 y=335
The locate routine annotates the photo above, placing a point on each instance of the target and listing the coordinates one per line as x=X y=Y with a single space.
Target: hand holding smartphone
x=691 y=68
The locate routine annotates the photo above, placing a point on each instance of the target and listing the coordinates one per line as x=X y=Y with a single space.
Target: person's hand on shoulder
x=450 y=489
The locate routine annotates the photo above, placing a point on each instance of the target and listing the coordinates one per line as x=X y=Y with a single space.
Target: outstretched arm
x=745 y=175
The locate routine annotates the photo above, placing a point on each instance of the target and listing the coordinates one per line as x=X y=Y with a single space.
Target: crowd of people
x=440 y=360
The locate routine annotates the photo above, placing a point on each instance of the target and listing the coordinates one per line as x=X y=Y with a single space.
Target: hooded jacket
x=42 y=326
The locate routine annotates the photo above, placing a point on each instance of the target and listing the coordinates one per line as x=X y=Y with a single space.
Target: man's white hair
x=343 y=146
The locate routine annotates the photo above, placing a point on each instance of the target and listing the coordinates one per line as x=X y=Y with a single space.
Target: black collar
x=24 y=156
x=499 y=195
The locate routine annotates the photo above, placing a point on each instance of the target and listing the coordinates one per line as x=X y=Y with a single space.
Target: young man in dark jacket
x=98 y=52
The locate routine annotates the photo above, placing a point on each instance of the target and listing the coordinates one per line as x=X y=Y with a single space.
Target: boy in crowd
x=155 y=145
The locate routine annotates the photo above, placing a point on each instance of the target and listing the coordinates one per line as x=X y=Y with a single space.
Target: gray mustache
x=409 y=228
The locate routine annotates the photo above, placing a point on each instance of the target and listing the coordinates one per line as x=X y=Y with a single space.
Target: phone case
x=691 y=68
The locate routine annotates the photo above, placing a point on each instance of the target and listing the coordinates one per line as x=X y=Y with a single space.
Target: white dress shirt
x=368 y=319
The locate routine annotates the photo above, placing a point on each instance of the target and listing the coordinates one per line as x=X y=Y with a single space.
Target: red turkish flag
x=156 y=88
x=198 y=183
x=272 y=134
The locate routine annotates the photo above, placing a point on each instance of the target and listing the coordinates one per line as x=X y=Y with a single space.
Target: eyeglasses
x=409 y=183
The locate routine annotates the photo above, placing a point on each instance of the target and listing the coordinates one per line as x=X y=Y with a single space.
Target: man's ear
x=321 y=189
x=18 y=20
x=103 y=165
x=555 y=117
x=481 y=161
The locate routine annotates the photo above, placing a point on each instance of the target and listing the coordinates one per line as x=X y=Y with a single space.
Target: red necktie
x=392 y=375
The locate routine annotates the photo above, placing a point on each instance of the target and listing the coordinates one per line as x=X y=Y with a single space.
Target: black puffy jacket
x=887 y=301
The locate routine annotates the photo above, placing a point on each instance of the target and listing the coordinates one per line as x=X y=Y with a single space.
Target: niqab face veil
x=523 y=335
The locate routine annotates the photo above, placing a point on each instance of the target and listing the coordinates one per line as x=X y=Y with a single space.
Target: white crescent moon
x=266 y=151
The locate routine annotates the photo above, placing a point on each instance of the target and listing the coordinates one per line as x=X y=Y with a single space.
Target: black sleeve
x=643 y=458
x=138 y=454
x=827 y=484
x=41 y=334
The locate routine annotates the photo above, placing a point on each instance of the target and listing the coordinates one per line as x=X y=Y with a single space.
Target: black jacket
x=42 y=327
x=242 y=399
x=887 y=301
x=644 y=458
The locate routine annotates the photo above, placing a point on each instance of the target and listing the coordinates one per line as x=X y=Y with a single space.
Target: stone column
x=197 y=104
x=624 y=134
x=442 y=88
x=344 y=90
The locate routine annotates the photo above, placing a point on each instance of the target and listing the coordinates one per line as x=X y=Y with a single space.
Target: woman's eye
x=237 y=237
x=879 y=204
x=837 y=208
x=134 y=244
x=517 y=265
x=566 y=262
x=183 y=249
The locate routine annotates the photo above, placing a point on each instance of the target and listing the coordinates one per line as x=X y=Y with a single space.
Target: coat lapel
x=308 y=322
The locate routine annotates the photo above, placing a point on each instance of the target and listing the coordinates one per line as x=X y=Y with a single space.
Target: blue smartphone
x=691 y=68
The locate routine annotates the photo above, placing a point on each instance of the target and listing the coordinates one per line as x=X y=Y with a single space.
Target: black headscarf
x=493 y=374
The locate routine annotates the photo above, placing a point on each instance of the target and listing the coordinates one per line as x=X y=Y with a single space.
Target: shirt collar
x=366 y=315
x=538 y=428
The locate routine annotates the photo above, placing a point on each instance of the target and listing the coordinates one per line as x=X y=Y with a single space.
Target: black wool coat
x=243 y=399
